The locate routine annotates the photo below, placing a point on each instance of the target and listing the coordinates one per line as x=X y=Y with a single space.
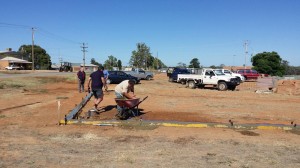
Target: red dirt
x=29 y=120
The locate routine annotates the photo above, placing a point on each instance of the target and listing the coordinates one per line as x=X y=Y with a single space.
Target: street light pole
x=32 y=49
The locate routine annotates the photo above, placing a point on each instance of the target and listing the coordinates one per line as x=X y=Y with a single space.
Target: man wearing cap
x=97 y=83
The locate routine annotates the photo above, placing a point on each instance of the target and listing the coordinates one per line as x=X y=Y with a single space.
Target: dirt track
x=30 y=136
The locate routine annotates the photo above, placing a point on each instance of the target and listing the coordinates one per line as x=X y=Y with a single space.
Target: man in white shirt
x=125 y=89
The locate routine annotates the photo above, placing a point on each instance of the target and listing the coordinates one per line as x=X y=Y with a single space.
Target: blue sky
x=214 y=31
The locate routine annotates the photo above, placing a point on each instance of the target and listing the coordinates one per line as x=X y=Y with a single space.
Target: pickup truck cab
x=249 y=74
x=230 y=73
x=140 y=73
x=209 y=77
x=175 y=71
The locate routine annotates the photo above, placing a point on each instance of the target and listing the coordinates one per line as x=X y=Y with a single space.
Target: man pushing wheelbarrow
x=126 y=99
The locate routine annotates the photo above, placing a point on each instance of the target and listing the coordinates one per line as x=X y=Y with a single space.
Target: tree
x=213 y=67
x=120 y=64
x=194 y=63
x=268 y=63
x=42 y=59
x=181 y=65
x=111 y=62
x=140 y=57
x=93 y=61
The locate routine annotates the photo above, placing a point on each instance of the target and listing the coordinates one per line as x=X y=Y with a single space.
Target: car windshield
x=219 y=72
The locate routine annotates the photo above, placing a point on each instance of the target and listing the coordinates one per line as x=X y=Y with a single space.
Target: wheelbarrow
x=128 y=106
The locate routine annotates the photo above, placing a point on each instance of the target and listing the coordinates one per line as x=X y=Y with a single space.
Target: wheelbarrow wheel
x=123 y=115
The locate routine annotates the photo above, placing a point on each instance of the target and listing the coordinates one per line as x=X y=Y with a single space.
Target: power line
x=43 y=31
x=15 y=25
x=38 y=29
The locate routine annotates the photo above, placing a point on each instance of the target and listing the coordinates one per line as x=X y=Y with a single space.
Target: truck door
x=210 y=78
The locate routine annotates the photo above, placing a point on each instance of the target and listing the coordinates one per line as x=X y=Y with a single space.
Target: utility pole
x=246 y=52
x=32 y=48
x=83 y=50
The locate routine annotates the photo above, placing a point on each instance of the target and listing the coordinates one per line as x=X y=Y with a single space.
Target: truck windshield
x=219 y=72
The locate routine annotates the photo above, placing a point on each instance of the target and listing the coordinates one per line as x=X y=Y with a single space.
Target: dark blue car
x=119 y=76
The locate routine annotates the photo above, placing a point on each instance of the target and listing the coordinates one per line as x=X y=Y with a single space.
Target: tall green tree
x=42 y=59
x=140 y=56
x=93 y=61
x=111 y=62
x=268 y=63
x=120 y=64
x=194 y=63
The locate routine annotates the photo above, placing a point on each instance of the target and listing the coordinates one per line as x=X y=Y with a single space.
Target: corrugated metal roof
x=14 y=60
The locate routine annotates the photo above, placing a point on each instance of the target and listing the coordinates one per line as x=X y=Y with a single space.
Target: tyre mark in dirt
x=10 y=108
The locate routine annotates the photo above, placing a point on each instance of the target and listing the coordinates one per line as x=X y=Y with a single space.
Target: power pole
x=246 y=52
x=83 y=50
x=32 y=48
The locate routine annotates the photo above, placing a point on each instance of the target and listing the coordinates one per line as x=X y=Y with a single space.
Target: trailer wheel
x=222 y=86
x=192 y=84
x=183 y=82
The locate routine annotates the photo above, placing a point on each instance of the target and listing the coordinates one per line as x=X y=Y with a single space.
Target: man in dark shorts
x=98 y=82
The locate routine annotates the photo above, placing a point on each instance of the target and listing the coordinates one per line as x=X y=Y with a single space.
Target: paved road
x=19 y=74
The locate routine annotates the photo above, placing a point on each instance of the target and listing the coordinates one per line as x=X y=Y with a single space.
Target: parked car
x=119 y=76
x=175 y=71
x=248 y=74
x=140 y=73
x=12 y=67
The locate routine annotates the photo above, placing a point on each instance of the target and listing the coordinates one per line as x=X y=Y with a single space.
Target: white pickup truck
x=230 y=73
x=209 y=77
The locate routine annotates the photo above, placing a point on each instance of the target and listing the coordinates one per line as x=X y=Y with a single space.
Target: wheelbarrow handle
x=144 y=99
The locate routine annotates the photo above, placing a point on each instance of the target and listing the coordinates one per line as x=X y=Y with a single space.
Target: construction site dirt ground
x=31 y=137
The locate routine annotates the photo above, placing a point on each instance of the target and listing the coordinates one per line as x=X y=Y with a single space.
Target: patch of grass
x=297 y=132
x=61 y=97
x=44 y=80
x=248 y=133
x=2 y=116
x=11 y=84
x=15 y=72
x=137 y=125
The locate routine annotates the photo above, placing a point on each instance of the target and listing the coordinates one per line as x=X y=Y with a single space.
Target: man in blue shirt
x=98 y=82
x=105 y=72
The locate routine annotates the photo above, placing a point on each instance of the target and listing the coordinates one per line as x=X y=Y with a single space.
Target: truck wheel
x=192 y=84
x=222 y=86
x=170 y=79
x=108 y=81
x=148 y=78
